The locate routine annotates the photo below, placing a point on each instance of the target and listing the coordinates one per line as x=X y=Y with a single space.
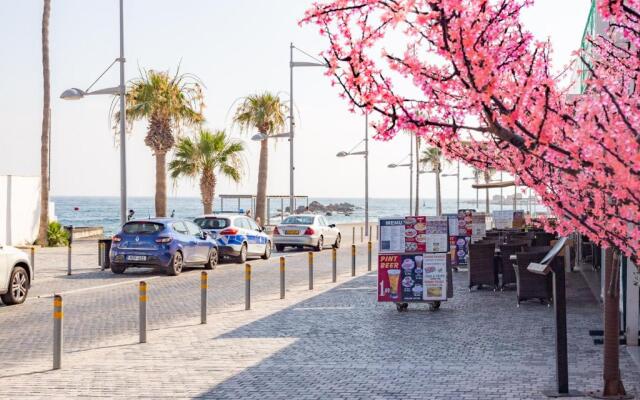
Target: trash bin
x=104 y=247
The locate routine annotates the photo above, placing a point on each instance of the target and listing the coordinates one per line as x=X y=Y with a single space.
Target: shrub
x=57 y=235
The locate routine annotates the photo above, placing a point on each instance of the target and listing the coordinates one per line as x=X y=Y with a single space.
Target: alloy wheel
x=177 y=263
x=19 y=285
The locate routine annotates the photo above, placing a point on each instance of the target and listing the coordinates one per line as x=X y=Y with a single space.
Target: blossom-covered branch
x=470 y=79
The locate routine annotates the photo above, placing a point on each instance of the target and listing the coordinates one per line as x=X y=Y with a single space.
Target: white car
x=15 y=275
x=306 y=230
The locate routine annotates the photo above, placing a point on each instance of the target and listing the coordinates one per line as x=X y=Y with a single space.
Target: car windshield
x=141 y=228
x=212 y=223
x=298 y=220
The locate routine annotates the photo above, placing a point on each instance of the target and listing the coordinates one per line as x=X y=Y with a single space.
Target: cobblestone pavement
x=335 y=342
x=101 y=308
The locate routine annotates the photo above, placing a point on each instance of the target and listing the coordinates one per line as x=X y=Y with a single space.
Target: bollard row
x=204 y=286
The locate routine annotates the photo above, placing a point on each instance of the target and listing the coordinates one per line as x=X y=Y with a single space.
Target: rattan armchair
x=482 y=268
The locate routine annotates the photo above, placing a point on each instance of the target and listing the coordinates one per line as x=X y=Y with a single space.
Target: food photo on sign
x=415 y=229
x=412 y=288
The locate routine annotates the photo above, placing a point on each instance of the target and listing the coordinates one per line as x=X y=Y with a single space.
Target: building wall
x=19 y=209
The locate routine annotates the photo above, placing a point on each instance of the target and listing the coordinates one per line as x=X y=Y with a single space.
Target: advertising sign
x=465 y=222
x=392 y=235
x=434 y=271
x=461 y=246
x=389 y=277
x=518 y=219
x=415 y=229
x=437 y=235
x=503 y=219
x=411 y=278
x=479 y=226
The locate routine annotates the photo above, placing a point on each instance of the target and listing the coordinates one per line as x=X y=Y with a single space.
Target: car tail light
x=163 y=239
x=229 y=231
x=116 y=239
x=309 y=231
x=276 y=231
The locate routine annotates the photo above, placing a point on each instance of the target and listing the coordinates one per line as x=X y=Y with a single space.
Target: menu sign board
x=392 y=233
x=434 y=271
x=389 y=277
x=479 y=226
x=503 y=219
x=518 y=219
x=453 y=224
x=437 y=234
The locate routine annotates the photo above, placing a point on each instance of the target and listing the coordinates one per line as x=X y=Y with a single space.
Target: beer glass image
x=394 y=278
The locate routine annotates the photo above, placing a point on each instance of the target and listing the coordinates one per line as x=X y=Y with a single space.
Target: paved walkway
x=337 y=342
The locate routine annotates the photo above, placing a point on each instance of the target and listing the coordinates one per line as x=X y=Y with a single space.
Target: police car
x=237 y=235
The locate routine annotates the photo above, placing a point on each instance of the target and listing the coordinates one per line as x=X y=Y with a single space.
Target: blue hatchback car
x=167 y=243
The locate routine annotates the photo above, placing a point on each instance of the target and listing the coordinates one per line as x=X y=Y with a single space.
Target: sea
x=105 y=211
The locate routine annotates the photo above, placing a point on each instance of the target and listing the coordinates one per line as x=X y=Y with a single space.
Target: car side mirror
x=204 y=235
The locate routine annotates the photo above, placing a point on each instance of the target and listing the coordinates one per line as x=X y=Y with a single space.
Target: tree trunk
x=46 y=124
x=207 y=190
x=612 y=380
x=161 y=184
x=438 y=195
x=261 y=197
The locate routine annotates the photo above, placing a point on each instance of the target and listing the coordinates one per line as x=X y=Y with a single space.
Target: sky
x=236 y=48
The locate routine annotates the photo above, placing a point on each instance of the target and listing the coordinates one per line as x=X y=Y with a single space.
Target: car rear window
x=141 y=228
x=298 y=220
x=212 y=223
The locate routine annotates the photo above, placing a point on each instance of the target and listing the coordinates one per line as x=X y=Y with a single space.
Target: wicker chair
x=543 y=239
x=482 y=268
x=530 y=285
x=508 y=273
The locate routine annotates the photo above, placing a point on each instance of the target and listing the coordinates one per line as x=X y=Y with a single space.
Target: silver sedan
x=306 y=230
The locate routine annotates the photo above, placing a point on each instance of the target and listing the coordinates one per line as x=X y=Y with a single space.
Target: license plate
x=291 y=232
x=137 y=258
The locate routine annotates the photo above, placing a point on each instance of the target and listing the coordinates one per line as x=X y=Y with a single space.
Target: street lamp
x=76 y=94
x=474 y=178
x=364 y=153
x=457 y=175
x=293 y=64
x=410 y=165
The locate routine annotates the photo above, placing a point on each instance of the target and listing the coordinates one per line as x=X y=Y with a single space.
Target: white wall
x=19 y=209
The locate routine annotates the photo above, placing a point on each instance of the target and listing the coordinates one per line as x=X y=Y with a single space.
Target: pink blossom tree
x=470 y=79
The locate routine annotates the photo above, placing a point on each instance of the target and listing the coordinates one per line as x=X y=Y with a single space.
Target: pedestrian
x=131 y=214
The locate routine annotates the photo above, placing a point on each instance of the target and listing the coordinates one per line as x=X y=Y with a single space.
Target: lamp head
x=72 y=94
x=342 y=154
x=258 y=137
x=392 y=165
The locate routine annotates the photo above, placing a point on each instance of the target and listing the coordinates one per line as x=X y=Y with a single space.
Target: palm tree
x=168 y=103
x=46 y=124
x=266 y=113
x=207 y=154
x=433 y=158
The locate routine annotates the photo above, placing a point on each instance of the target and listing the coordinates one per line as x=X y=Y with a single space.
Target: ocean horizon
x=104 y=211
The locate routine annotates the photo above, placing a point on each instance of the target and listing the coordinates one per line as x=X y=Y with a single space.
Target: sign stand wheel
x=402 y=307
x=435 y=306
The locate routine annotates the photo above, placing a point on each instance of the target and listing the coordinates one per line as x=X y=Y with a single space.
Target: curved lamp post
x=364 y=153
x=77 y=94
